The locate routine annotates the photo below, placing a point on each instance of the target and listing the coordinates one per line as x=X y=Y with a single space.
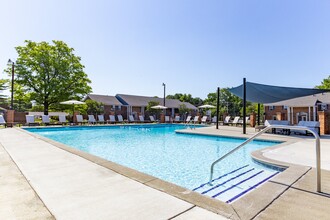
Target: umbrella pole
x=218 y=103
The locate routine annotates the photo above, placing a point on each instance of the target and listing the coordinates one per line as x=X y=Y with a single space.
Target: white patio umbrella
x=206 y=106
x=159 y=107
x=72 y=102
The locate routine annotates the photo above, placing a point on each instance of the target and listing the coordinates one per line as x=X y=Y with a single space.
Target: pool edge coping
x=227 y=210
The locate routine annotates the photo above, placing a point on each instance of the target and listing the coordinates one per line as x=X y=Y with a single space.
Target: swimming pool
x=157 y=150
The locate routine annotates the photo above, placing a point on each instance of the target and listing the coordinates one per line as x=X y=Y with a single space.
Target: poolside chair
x=80 y=119
x=167 y=119
x=196 y=119
x=2 y=121
x=30 y=120
x=112 y=119
x=91 y=119
x=247 y=121
x=235 y=121
x=313 y=125
x=45 y=119
x=141 y=118
x=226 y=121
x=62 y=119
x=131 y=118
x=120 y=119
x=214 y=120
x=188 y=119
x=152 y=119
x=100 y=119
x=204 y=119
x=177 y=119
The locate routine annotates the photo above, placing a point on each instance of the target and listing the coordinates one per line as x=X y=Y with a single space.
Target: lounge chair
x=131 y=118
x=204 y=119
x=120 y=119
x=30 y=120
x=177 y=119
x=214 y=120
x=80 y=119
x=313 y=125
x=196 y=119
x=2 y=121
x=235 y=121
x=100 y=119
x=278 y=122
x=152 y=119
x=45 y=119
x=188 y=119
x=62 y=119
x=91 y=119
x=226 y=121
x=141 y=118
x=112 y=119
x=247 y=121
x=167 y=119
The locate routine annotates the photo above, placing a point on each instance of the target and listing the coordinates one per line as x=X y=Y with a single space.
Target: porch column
x=314 y=113
x=289 y=119
x=142 y=110
x=173 y=112
x=309 y=113
x=292 y=115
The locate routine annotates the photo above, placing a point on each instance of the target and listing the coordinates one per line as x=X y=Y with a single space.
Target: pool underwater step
x=231 y=186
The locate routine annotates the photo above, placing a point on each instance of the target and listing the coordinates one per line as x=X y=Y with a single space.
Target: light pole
x=12 y=83
x=164 y=92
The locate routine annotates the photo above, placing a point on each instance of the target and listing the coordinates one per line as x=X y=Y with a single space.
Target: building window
x=285 y=107
x=271 y=107
x=118 y=107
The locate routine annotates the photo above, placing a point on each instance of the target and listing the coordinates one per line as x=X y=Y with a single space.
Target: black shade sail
x=260 y=93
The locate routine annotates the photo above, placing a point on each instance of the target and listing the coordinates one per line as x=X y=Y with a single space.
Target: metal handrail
x=301 y=128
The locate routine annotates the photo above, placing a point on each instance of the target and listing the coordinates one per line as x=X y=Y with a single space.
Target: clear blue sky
x=133 y=46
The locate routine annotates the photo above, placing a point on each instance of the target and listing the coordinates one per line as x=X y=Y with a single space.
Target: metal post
x=164 y=92
x=12 y=87
x=244 y=105
x=218 y=103
x=258 y=121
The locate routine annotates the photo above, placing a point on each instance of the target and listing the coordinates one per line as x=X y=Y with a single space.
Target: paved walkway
x=74 y=188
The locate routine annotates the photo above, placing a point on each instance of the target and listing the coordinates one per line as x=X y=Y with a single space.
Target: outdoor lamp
x=12 y=83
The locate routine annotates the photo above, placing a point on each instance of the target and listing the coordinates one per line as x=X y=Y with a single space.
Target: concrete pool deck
x=44 y=180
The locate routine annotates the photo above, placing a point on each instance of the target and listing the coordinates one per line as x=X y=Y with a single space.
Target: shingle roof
x=134 y=100
x=305 y=101
x=105 y=99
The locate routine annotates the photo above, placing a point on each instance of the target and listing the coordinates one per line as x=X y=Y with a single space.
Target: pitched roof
x=305 y=101
x=105 y=99
x=134 y=100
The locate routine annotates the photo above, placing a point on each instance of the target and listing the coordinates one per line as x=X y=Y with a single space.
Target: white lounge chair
x=62 y=119
x=313 y=125
x=188 y=119
x=235 y=121
x=100 y=119
x=177 y=119
x=167 y=119
x=278 y=122
x=80 y=119
x=112 y=119
x=204 y=119
x=141 y=118
x=45 y=119
x=91 y=119
x=226 y=121
x=214 y=119
x=2 y=121
x=30 y=120
x=152 y=119
x=131 y=118
x=120 y=119
x=196 y=119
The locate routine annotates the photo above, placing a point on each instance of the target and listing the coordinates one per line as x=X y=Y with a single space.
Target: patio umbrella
x=72 y=102
x=159 y=107
x=206 y=106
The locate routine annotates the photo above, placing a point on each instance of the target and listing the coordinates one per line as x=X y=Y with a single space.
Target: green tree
x=183 y=109
x=3 y=86
x=151 y=110
x=94 y=107
x=186 y=98
x=50 y=73
x=325 y=84
x=22 y=100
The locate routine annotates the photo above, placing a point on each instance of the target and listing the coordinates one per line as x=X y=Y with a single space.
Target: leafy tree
x=325 y=84
x=150 y=110
x=22 y=100
x=94 y=107
x=50 y=73
x=186 y=98
x=3 y=86
x=183 y=109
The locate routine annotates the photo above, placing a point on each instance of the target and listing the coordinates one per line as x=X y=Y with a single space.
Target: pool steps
x=234 y=184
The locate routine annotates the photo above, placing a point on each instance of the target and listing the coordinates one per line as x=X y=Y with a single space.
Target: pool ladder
x=301 y=128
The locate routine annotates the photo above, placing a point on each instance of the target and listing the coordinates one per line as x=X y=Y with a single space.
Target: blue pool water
x=157 y=150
